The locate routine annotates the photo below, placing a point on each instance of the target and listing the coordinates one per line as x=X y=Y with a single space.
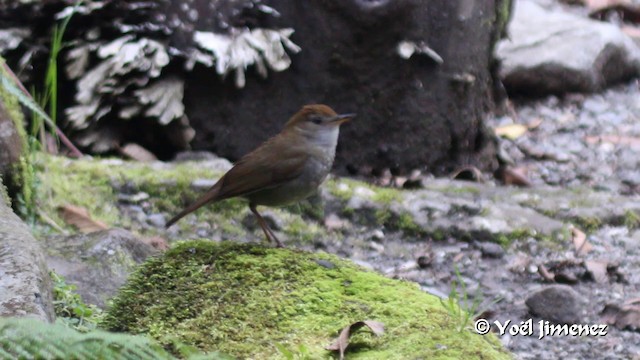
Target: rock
x=251 y=294
x=25 y=285
x=489 y=249
x=557 y=52
x=157 y=220
x=97 y=263
x=272 y=219
x=559 y=304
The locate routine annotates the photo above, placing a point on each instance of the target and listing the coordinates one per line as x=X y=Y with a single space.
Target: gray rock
x=491 y=250
x=273 y=220
x=555 y=52
x=97 y=263
x=25 y=285
x=485 y=212
x=157 y=220
x=559 y=304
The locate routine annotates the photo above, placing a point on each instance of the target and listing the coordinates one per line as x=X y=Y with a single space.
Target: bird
x=285 y=169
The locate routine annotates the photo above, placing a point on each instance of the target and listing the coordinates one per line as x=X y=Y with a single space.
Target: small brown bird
x=285 y=169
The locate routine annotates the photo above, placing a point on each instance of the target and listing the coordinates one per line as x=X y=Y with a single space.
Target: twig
x=61 y=135
x=51 y=222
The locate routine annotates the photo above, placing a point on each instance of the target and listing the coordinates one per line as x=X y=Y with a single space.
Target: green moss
x=507 y=239
x=588 y=224
x=95 y=184
x=386 y=195
x=305 y=231
x=454 y=188
x=244 y=299
x=403 y=222
x=4 y=197
x=22 y=181
x=342 y=189
x=631 y=219
x=312 y=208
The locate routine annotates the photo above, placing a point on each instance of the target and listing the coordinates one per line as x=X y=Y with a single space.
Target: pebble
x=157 y=220
x=490 y=250
x=559 y=304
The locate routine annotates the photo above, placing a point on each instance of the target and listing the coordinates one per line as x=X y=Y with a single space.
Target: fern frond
x=29 y=338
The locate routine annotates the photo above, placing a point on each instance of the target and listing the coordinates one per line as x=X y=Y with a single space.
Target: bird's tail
x=210 y=196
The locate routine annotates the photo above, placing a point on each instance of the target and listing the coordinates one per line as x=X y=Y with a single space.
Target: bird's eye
x=316 y=119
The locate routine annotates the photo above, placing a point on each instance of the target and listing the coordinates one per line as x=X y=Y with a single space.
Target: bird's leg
x=265 y=227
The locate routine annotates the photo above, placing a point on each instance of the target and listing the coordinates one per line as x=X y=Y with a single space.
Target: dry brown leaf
x=626 y=316
x=533 y=124
x=469 y=173
x=79 y=217
x=631 y=31
x=511 y=131
x=580 y=243
x=514 y=176
x=137 y=152
x=597 y=269
x=458 y=257
x=545 y=273
x=631 y=141
x=341 y=343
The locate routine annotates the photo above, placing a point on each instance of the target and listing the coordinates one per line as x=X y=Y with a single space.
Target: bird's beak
x=342 y=118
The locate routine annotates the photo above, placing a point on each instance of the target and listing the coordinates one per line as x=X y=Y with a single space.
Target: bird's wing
x=256 y=171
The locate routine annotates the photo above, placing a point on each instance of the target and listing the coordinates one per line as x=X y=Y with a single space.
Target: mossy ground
x=95 y=185
x=243 y=299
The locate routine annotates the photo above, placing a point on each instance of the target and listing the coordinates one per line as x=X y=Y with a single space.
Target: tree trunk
x=419 y=74
x=412 y=113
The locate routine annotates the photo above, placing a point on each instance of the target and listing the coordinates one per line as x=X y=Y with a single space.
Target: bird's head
x=317 y=117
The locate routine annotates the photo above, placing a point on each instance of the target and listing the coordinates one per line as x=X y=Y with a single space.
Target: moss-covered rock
x=247 y=300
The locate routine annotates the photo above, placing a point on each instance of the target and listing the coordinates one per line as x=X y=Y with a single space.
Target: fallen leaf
x=341 y=343
x=79 y=217
x=633 y=142
x=469 y=173
x=597 y=269
x=137 y=152
x=566 y=271
x=533 y=124
x=544 y=272
x=631 y=31
x=580 y=243
x=514 y=176
x=626 y=316
x=511 y=131
x=458 y=257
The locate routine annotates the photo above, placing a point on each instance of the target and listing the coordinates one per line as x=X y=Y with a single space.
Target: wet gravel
x=581 y=139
